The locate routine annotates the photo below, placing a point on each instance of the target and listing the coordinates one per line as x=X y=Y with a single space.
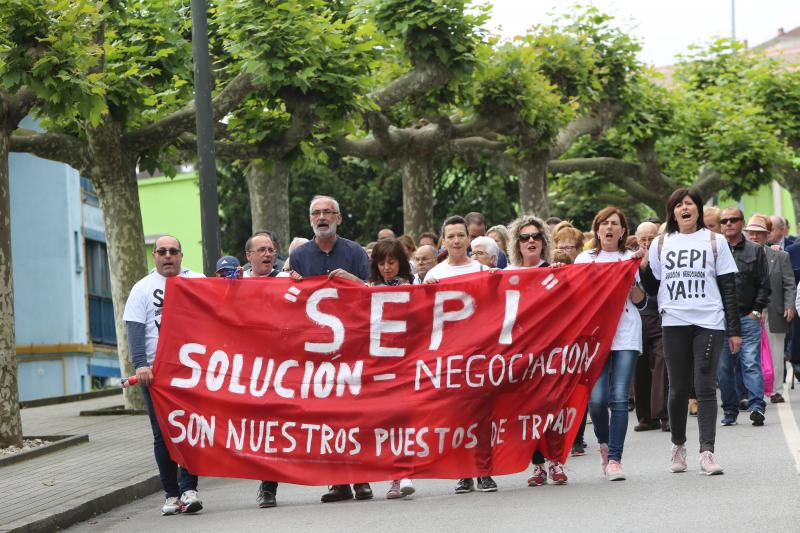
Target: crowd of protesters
x=669 y=352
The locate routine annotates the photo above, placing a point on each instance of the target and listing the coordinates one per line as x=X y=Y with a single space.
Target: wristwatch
x=757 y=314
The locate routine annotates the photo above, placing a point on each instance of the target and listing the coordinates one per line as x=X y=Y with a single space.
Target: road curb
x=56 y=443
x=87 y=509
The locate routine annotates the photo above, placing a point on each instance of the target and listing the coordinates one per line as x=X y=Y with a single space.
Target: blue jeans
x=612 y=391
x=748 y=362
x=167 y=468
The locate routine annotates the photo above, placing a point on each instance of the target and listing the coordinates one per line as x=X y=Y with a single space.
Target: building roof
x=785 y=45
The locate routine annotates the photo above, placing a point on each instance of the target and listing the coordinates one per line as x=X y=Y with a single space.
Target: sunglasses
x=732 y=220
x=525 y=237
x=172 y=251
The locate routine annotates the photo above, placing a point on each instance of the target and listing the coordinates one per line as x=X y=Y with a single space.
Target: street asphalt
x=759 y=491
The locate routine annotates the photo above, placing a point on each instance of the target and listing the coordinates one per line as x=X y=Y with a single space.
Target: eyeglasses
x=479 y=253
x=525 y=237
x=263 y=250
x=323 y=212
x=732 y=220
x=164 y=251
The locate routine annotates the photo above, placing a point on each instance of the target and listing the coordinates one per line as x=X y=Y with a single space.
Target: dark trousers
x=650 y=381
x=692 y=353
x=167 y=468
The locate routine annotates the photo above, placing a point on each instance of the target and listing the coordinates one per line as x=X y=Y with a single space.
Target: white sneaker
x=614 y=471
x=406 y=487
x=678 y=458
x=709 y=465
x=171 y=506
x=190 y=503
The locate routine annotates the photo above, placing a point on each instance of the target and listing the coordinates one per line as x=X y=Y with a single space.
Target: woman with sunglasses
x=609 y=233
x=529 y=244
x=530 y=247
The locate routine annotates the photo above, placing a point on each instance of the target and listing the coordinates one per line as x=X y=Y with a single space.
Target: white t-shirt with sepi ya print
x=688 y=271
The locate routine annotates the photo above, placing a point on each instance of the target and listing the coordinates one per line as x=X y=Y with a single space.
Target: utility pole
x=209 y=203
x=733 y=20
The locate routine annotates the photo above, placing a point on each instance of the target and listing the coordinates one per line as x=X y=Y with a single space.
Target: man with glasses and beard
x=143 y=320
x=327 y=254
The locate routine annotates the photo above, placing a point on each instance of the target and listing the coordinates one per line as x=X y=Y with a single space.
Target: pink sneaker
x=538 y=478
x=557 y=473
x=604 y=457
x=394 y=491
x=708 y=465
x=614 y=471
x=678 y=458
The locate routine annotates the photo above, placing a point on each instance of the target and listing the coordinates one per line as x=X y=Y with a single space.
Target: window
x=87 y=192
x=101 y=308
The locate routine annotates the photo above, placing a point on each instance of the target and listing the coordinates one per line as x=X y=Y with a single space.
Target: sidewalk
x=58 y=489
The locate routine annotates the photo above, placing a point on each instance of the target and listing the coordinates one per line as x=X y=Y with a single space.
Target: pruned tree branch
x=477 y=144
x=599 y=118
x=19 y=105
x=628 y=176
x=417 y=81
x=368 y=148
x=54 y=146
x=169 y=128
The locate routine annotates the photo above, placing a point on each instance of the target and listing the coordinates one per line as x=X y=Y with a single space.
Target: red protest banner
x=321 y=381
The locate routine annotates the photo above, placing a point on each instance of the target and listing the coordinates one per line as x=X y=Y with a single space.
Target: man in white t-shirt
x=143 y=320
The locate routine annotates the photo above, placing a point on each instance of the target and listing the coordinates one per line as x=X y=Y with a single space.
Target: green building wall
x=761 y=202
x=172 y=206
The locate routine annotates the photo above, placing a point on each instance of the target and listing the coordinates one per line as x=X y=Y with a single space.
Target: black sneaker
x=486 y=484
x=265 y=498
x=465 y=485
x=743 y=405
x=757 y=417
x=729 y=420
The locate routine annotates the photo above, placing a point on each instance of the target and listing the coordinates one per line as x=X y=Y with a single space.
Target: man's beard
x=324 y=233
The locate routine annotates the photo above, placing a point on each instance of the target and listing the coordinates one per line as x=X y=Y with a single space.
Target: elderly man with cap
x=780 y=310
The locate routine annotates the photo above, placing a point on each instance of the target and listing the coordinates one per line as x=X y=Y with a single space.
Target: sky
x=664 y=27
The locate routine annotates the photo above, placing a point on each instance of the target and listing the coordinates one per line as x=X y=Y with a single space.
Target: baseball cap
x=227 y=261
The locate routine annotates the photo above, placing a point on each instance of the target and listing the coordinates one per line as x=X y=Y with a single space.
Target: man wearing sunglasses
x=752 y=291
x=143 y=320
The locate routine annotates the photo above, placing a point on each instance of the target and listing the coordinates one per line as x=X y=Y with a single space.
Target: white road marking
x=790 y=430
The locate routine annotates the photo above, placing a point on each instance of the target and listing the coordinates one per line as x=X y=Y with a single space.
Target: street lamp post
x=209 y=204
